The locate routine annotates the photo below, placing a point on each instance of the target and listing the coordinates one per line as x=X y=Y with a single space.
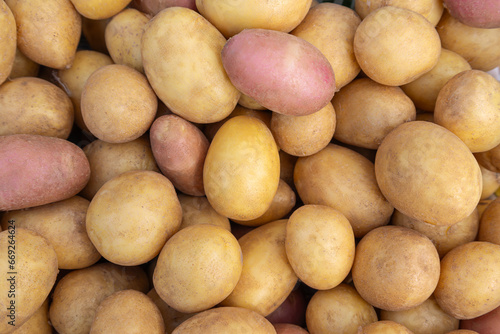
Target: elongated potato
x=8 y=43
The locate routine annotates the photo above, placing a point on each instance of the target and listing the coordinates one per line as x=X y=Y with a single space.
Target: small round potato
x=384 y=327
x=8 y=43
x=197 y=210
x=489 y=225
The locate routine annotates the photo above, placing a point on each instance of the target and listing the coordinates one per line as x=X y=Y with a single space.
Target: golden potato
x=436 y=12
x=198 y=268
x=171 y=317
x=491 y=182
x=23 y=66
x=489 y=225
x=365 y=7
x=8 y=43
x=197 y=210
x=38 y=323
x=489 y=159
x=247 y=102
x=428 y=173
x=384 y=327
x=99 y=9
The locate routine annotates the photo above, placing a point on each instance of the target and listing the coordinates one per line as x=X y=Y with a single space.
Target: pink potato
x=475 y=13
x=488 y=323
x=37 y=170
x=282 y=72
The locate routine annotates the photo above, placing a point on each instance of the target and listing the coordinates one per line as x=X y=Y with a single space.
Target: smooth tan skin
x=8 y=44
x=267 y=277
x=127 y=311
x=424 y=90
x=48 y=32
x=36 y=272
x=171 y=317
x=425 y=318
x=340 y=309
x=395 y=268
x=248 y=102
x=345 y=180
x=468 y=286
x=331 y=28
x=78 y=294
x=98 y=9
x=197 y=210
x=489 y=226
x=38 y=323
x=428 y=8
x=63 y=225
x=23 y=66
x=384 y=327
x=367 y=111
x=378 y=45
x=181 y=58
x=416 y=169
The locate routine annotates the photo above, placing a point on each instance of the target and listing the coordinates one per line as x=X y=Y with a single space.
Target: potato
x=378 y=108
x=23 y=66
x=123 y=36
x=293 y=309
x=153 y=7
x=284 y=328
x=38 y=170
x=486 y=324
x=93 y=31
x=29 y=269
x=395 y=268
x=30 y=105
x=8 y=44
x=444 y=237
x=74 y=78
x=387 y=40
x=48 y=32
x=125 y=310
x=38 y=323
x=416 y=167
x=231 y=17
x=300 y=82
x=480 y=47
x=468 y=286
x=78 y=294
x=319 y=245
x=484 y=14
x=331 y=28
x=180 y=148
x=171 y=317
x=425 y=318
x=226 y=320
x=63 y=225
x=118 y=104
x=181 y=58
x=365 y=7
x=197 y=210
x=436 y=13
x=304 y=135
x=344 y=180
x=489 y=225
x=489 y=159
x=248 y=102
x=384 y=327
x=287 y=165
x=267 y=277
x=198 y=268
x=241 y=170
x=468 y=106
x=338 y=310
x=462 y=331
x=491 y=182
x=424 y=90
x=98 y=9
x=147 y=207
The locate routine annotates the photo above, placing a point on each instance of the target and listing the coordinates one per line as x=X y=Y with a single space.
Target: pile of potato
x=230 y=166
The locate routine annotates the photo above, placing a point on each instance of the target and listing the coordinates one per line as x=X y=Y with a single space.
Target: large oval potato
x=242 y=171
x=38 y=170
x=181 y=58
x=8 y=44
x=282 y=72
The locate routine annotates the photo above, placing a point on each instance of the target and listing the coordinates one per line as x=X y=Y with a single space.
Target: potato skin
x=479 y=14
x=98 y=9
x=38 y=170
x=38 y=323
x=8 y=45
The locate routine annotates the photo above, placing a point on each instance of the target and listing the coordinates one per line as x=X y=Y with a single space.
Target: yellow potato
x=489 y=225
x=8 y=45
x=491 y=182
x=171 y=317
x=365 y=7
x=23 y=66
x=248 y=102
x=490 y=159
x=197 y=210
x=241 y=170
x=99 y=9
x=384 y=327
x=38 y=323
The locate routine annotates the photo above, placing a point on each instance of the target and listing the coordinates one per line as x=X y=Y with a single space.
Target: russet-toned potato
x=99 y=9
x=8 y=43
x=197 y=210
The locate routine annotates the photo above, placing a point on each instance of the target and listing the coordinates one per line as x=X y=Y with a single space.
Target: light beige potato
x=125 y=311
x=29 y=272
x=436 y=12
x=99 y=9
x=118 y=104
x=367 y=111
x=93 y=31
x=232 y=17
x=73 y=79
x=226 y=320
x=491 y=182
x=123 y=36
x=23 y=66
x=395 y=268
x=78 y=294
x=338 y=310
x=489 y=225
x=283 y=202
x=384 y=327
x=30 y=105
x=424 y=90
x=423 y=7
x=48 y=32
x=241 y=170
x=489 y=159
x=171 y=317
x=480 y=47
x=267 y=277
x=38 y=323
x=304 y=135
x=320 y=246
x=468 y=105
x=108 y=160
x=198 y=268
x=197 y=210
x=63 y=225
x=345 y=180
x=469 y=283
x=425 y=318
x=444 y=237
x=428 y=173
x=331 y=28
x=187 y=74
x=387 y=40
x=8 y=44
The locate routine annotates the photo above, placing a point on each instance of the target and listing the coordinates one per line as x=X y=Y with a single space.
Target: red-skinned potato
x=475 y=13
x=488 y=323
x=262 y=65
x=292 y=311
